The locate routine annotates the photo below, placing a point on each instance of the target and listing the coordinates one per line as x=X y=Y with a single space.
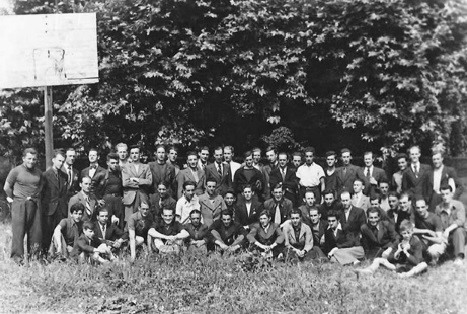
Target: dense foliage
x=386 y=72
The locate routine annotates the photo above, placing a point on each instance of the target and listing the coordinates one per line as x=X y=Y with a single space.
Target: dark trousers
x=115 y=207
x=25 y=219
x=49 y=222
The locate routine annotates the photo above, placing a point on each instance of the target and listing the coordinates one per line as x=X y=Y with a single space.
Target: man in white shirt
x=228 y=158
x=310 y=176
x=188 y=202
x=203 y=158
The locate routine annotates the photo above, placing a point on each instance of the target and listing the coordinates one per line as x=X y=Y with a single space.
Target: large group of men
x=288 y=208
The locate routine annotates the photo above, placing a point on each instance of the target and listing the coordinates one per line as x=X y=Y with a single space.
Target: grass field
x=214 y=284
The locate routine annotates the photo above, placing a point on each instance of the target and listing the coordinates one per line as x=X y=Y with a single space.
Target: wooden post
x=49 y=139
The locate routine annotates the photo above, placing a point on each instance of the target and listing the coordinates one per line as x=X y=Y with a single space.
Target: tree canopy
x=364 y=74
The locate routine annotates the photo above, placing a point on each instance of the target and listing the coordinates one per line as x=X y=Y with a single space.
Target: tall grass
x=218 y=284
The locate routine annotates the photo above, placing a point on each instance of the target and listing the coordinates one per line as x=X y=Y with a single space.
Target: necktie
x=219 y=169
x=368 y=172
x=277 y=217
x=415 y=170
x=103 y=232
x=283 y=173
x=70 y=175
x=88 y=206
x=344 y=170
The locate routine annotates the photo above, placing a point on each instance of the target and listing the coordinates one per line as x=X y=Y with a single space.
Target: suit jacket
x=273 y=235
x=447 y=173
x=357 y=219
x=80 y=198
x=211 y=210
x=156 y=209
x=243 y=218
x=345 y=181
x=319 y=233
x=385 y=238
x=186 y=175
x=289 y=182
x=342 y=239
x=285 y=208
x=379 y=175
x=363 y=202
x=85 y=173
x=417 y=185
x=54 y=193
x=224 y=182
x=130 y=188
x=112 y=232
x=73 y=185
x=162 y=173
x=240 y=181
x=304 y=241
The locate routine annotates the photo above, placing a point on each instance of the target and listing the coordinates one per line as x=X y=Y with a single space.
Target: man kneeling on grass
x=228 y=234
x=266 y=237
x=89 y=248
x=168 y=234
x=67 y=232
x=341 y=246
x=404 y=257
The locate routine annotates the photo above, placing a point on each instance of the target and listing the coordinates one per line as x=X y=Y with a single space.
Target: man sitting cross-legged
x=266 y=237
x=377 y=234
x=405 y=256
x=228 y=235
x=89 y=248
x=299 y=238
x=67 y=232
x=342 y=246
x=168 y=234
x=198 y=239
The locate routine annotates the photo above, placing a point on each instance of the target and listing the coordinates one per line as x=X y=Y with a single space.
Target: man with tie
x=203 y=158
x=347 y=174
x=377 y=235
x=220 y=172
x=351 y=218
x=72 y=173
x=54 y=197
x=108 y=233
x=137 y=179
x=310 y=176
x=228 y=158
x=374 y=175
x=415 y=178
x=193 y=174
x=162 y=171
x=85 y=197
x=248 y=209
x=212 y=204
x=285 y=175
x=359 y=199
x=94 y=169
x=266 y=237
x=279 y=207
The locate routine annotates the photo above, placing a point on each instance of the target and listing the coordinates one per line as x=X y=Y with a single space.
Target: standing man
x=203 y=158
x=285 y=175
x=297 y=159
x=351 y=218
x=172 y=159
x=137 y=178
x=396 y=182
x=220 y=172
x=310 y=176
x=278 y=206
x=271 y=156
x=72 y=173
x=415 y=177
x=193 y=174
x=347 y=174
x=122 y=151
x=228 y=158
x=162 y=171
x=23 y=190
x=247 y=211
x=212 y=204
x=330 y=179
x=54 y=197
x=374 y=175
x=439 y=176
x=94 y=169
x=249 y=175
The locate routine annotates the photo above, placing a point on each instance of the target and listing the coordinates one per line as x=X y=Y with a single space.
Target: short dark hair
x=112 y=156
x=265 y=212
x=211 y=179
x=247 y=186
x=186 y=183
x=333 y=213
x=273 y=148
x=309 y=149
x=247 y=154
x=445 y=187
x=296 y=211
x=168 y=208
x=159 y=146
x=227 y=212
x=329 y=191
x=87 y=225
x=284 y=154
x=393 y=194
x=278 y=186
x=230 y=191
x=92 y=149
x=191 y=153
x=103 y=209
x=345 y=150
x=195 y=211
x=373 y=210
x=29 y=150
x=405 y=225
x=76 y=207
x=401 y=155
x=368 y=153
x=58 y=151
x=135 y=147
x=330 y=153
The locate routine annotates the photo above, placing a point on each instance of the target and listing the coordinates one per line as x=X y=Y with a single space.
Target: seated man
x=400 y=211
x=187 y=202
x=406 y=256
x=198 y=239
x=89 y=248
x=377 y=234
x=228 y=235
x=308 y=204
x=230 y=200
x=168 y=234
x=138 y=226
x=161 y=199
x=247 y=211
x=339 y=245
x=212 y=204
x=383 y=195
x=109 y=233
x=67 y=232
x=359 y=199
x=318 y=227
x=374 y=203
x=85 y=197
x=452 y=214
x=429 y=229
x=330 y=203
x=266 y=237
x=299 y=238
x=278 y=206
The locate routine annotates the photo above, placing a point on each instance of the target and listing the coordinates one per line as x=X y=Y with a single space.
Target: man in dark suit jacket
x=108 y=233
x=248 y=209
x=416 y=176
x=278 y=202
x=442 y=175
x=162 y=171
x=351 y=218
x=94 y=169
x=347 y=174
x=191 y=173
x=373 y=174
x=73 y=179
x=219 y=171
x=286 y=175
x=54 y=197
x=85 y=197
x=377 y=235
